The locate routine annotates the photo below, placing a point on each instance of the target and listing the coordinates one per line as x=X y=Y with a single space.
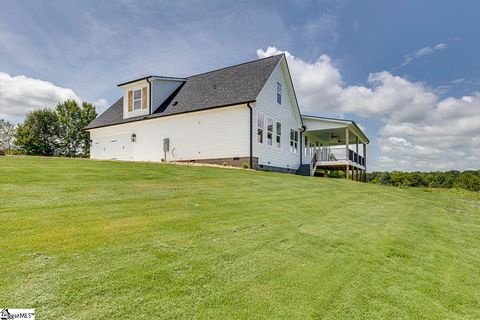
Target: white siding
x=135 y=86
x=210 y=134
x=285 y=113
x=161 y=90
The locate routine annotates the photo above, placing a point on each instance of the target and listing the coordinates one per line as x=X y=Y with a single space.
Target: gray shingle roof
x=228 y=86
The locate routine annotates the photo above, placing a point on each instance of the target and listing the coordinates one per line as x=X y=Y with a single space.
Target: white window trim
x=295 y=142
x=279 y=93
x=278 y=134
x=263 y=127
x=272 y=132
x=133 y=98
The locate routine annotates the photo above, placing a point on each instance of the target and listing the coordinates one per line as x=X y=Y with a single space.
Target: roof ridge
x=236 y=65
x=198 y=74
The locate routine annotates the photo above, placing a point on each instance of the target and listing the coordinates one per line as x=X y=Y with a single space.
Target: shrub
x=468 y=180
x=336 y=174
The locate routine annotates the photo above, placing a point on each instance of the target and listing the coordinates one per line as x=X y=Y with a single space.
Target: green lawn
x=83 y=239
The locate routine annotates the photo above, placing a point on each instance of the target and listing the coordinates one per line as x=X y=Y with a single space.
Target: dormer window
x=137 y=99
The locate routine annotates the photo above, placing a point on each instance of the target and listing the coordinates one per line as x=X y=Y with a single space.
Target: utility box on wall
x=166 y=148
x=166 y=145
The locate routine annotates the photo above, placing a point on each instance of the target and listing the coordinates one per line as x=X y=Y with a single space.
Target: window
x=260 y=126
x=278 y=137
x=279 y=93
x=137 y=99
x=270 y=132
x=293 y=141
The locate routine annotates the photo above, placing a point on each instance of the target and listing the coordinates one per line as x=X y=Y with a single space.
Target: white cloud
x=386 y=160
x=457 y=81
x=421 y=52
x=419 y=129
x=322 y=28
x=388 y=95
x=101 y=105
x=318 y=84
x=20 y=94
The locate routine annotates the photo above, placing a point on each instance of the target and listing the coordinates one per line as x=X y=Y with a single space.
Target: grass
x=84 y=239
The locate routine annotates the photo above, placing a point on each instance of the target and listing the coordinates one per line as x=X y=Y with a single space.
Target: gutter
x=251 y=135
x=132 y=81
x=160 y=115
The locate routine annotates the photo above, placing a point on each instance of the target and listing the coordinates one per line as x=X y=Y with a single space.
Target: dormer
x=143 y=96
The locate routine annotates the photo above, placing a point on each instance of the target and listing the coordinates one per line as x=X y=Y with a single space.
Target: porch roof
x=332 y=131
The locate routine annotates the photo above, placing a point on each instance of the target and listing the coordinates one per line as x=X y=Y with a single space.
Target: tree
x=385 y=178
x=7 y=134
x=88 y=115
x=72 y=119
x=38 y=134
x=60 y=132
x=469 y=180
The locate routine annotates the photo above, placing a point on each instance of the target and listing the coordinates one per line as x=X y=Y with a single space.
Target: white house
x=241 y=115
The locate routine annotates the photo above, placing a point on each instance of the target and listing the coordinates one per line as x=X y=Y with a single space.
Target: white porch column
x=365 y=160
x=347 y=153
x=356 y=149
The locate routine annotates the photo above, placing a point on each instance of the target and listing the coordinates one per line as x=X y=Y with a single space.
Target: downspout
x=150 y=96
x=251 y=135
x=302 y=129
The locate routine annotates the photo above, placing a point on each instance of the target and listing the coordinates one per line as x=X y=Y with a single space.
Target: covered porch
x=334 y=145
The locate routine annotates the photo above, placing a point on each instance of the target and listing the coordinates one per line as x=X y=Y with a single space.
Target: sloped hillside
x=83 y=239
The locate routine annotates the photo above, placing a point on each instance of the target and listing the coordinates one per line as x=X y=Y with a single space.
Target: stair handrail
x=314 y=158
x=313 y=164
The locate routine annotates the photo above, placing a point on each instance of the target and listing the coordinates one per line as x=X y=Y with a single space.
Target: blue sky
x=406 y=71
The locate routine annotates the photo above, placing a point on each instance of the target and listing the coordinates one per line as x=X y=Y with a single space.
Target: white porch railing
x=338 y=153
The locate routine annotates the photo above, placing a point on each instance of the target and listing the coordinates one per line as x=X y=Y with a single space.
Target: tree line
x=46 y=132
x=469 y=180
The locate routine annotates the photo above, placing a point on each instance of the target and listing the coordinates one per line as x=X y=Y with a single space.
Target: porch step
x=304 y=170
